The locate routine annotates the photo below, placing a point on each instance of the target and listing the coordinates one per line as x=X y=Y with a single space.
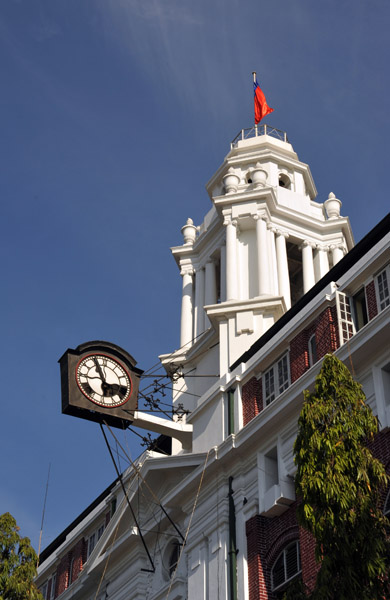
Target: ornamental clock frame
x=100 y=382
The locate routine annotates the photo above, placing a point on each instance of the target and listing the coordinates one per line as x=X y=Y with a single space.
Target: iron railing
x=258 y=130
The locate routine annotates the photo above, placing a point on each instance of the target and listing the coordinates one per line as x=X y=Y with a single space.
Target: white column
x=231 y=259
x=307 y=266
x=282 y=262
x=210 y=295
x=321 y=262
x=262 y=255
x=199 y=303
x=272 y=261
x=337 y=253
x=186 y=307
x=223 y=273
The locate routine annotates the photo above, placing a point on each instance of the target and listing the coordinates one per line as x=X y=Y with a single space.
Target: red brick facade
x=372 y=307
x=299 y=353
x=252 y=399
x=267 y=537
x=74 y=560
x=327 y=340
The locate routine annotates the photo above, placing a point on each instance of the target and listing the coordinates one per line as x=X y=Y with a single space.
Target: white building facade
x=272 y=282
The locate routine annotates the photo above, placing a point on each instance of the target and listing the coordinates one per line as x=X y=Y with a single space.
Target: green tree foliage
x=339 y=483
x=18 y=563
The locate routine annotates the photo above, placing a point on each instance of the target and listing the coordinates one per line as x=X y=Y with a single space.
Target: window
x=344 y=316
x=100 y=532
x=43 y=590
x=230 y=412
x=284 y=181
x=91 y=544
x=113 y=507
x=70 y=572
x=287 y=566
x=360 y=309
x=312 y=346
x=53 y=586
x=382 y=282
x=94 y=538
x=276 y=379
x=174 y=559
x=170 y=559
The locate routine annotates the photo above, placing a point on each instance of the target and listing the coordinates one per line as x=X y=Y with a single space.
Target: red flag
x=261 y=107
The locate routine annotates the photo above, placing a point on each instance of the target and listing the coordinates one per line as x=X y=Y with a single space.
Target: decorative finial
x=332 y=206
x=189 y=232
x=231 y=181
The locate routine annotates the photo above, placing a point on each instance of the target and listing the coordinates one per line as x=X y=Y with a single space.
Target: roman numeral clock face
x=103 y=380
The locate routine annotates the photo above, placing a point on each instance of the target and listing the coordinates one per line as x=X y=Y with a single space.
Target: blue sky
x=114 y=116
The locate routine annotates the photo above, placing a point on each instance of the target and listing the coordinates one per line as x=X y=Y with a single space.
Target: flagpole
x=254 y=81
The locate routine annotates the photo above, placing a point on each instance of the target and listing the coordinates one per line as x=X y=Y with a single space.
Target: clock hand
x=109 y=389
x=99 y=369
x=105 y=385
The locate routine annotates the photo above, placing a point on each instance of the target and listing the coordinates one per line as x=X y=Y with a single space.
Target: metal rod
x=128 y=501
x=158 y=501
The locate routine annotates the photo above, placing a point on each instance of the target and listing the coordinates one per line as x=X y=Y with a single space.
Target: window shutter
x=344 y=317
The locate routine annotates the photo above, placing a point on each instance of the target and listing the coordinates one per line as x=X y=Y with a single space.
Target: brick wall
x=327 y=340
x=372 y=307
x=266 y=537
x=299 y=353
x=79 y=556
x=326 y=335
x=252 y=399
x=62 y=574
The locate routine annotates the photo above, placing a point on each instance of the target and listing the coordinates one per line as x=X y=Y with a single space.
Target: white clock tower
x=264 y=243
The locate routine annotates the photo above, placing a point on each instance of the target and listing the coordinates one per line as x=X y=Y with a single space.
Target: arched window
x=286 y=567
x=173 y=559
x=170 y=558
x=284 y=181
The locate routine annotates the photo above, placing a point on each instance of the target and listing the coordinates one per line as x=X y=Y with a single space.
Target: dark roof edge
x=357 y=252
x=62 y=536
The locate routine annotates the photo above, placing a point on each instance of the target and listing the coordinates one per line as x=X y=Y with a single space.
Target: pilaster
x=231 y=258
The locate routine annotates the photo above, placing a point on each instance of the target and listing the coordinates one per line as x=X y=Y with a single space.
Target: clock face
x=103 y=380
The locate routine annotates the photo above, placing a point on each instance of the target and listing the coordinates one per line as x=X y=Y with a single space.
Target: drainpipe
x=232 y=545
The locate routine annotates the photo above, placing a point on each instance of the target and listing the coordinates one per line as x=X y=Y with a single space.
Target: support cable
x=153 y=570
x=137 y=469
x=43 y=515
x=189 y=522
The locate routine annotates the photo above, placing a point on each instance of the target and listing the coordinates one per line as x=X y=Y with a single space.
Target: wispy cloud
x=189 y=44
